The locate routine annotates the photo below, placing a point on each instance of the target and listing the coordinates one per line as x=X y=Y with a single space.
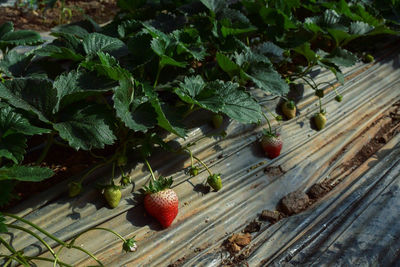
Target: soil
x=271 y=216
x=42 y=19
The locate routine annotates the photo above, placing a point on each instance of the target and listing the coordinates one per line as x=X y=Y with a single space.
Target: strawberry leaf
x=6 y=28
x=167 y=117
x=3 y=227
x=22 y=37
x=14 y=64
x=58 y=53
x=96 y=42
x=214 y=5
x=78 y=85
x=35 y=95
x=227 y=65
x=237 y=104
x=341 y=57
x=268 y=79
x=6 y=194
x=136 y=113
x=13 y=147
x=86 y=126
x=24 y=173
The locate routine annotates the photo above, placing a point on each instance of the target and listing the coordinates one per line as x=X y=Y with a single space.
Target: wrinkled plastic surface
x=355 y=224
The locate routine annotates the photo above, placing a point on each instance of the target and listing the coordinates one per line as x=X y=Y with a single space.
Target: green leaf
x=6 y=194
x=268 y=79
x=77 y=85
x=226 y=31
x=109 y=67
x=6 y=27
x=86 y=126
x=74 y=30
x=22 y=37
x=24 y=173
x=3 y=227
x=167 y=118
x=58 y=53
x=160 y=47
x=13 y=147
x=270 y=49
x=341 y=57
x=237 y=104
x=360 y=28
x=96 y=42
x=137 y=114
x=188 y=41
x=227 y=65
x=214 y=5
x=13 y=122
x=306 y=51
x=14 y=64
x=31 y=94
x=193 y=91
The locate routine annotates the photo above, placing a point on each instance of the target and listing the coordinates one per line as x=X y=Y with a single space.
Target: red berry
x=272 y=145
x=163 y=206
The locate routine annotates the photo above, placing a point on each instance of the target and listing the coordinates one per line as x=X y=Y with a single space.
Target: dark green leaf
x=214 y=5
x=70 y=29
x=86 y=126
x=5 y=28
x=167 y=118
x=96 y=42
x=306 y=51
x=226 y=31
x=3 y=227
x=341 y=57
x=6 y=194
x=268 y=79
x=78 y=85
x=22 y=37
x=31 y=94
x=360 y=28
x=13 y=147
x=24 y=173
x=227 y=65
x=136 y=113
x=14 y=64
x=58 y=53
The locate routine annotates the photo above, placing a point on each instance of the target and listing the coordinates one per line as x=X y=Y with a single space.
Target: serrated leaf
x=136 y=113
x=77 y=85
x=226 y=31
x=359 y=28
x=109 y=67
x=14 y=64
x=227 y=65
x=341 y=57
x=188 y=41
x=31 y=94
x=13 y=122
x=193 y=91
x=13 y=147
x=214 y=5
x=270 y=49
x=24 y=173
x=268 y=79
x=167 y=118
x=237 y=104
x=74 y=30
x=96 y=42
x=58 y=53
x=86 y=126
x=22 y=37
x=306 y=51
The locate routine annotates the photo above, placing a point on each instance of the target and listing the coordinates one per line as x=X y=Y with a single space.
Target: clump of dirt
x=252 y=227
x=178 y=262
x=294 y=202
x=236 y=242
x=271 y=216
x=319 y=190
x=274 y=171
x=43 y=19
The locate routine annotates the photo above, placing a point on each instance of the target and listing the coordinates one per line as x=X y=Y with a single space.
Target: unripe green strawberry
x=74 y=188
x=368 y=58
x=215 y=181
x=217 y=120
x=320 y=121
x=125 y=181
x=319 y=93
x=339 y=98
x=112 y=194
x=122 y=160
x=194 y=171
x=289 y=109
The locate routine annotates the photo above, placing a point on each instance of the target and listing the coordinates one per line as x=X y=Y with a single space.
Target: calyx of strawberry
x=290 y=104
x=129 y=245
x=158 y=185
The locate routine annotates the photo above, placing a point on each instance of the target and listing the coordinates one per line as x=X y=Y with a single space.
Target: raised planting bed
x=195 y=93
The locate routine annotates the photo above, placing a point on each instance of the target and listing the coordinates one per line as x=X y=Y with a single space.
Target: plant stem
x=191 y=158
x=95 y=168
x=202 y=163
x=158 y=74
x=320 y=105
x=272 y=114
x=269 y=125
x=151 y=171
x=11 y=258
x=14 y=252
x=37 y=237
x=314 y=88
x=113 y=172
x=46 y=149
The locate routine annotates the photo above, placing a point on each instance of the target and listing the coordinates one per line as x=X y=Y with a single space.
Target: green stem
x=88 y=253
x=158 y=74
x=14 y=252
x=272 y=114
x=320 y=105
x=151 y=171
x=46 y=149
x=11 y=258
x=50 y=260
x=314 y=88
x=113 y=172
x=202 y=163
x=37 y=237
x=95 y=168
x=191 y=158
x=96 y=156
x=269 y=125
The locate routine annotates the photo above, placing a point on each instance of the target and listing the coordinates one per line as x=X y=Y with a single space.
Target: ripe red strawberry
x=160 y=201
x=272 y=144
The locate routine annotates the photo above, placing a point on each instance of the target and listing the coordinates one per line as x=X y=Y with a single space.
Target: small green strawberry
x=112 y=194
x=74 y=188
x=215 y=181
x=125 y=181
x=368 y=58
x=217 y=120
x=320 y=120
x=339 y=98
x=122 y=160
x=194 y=171
x=289 y=109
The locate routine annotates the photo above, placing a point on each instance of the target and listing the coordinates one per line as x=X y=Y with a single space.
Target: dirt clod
x=237 y=241
x=274 y=171
x=294 y=202
x=271 y=216
x=319 y=190
x=252 y=227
